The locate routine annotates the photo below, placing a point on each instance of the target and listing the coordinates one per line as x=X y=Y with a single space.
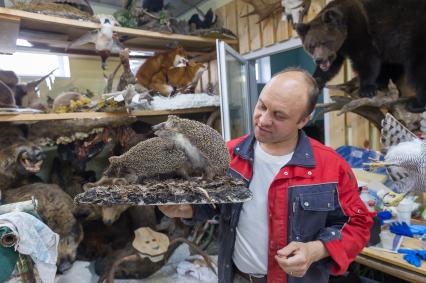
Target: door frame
x=288 y=45
x=222 y=50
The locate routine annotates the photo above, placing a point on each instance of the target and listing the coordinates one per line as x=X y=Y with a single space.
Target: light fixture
x=141 y=53
x=23 y=42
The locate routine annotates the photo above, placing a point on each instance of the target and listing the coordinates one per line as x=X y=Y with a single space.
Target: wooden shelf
x=99 y=115
x=57 y=31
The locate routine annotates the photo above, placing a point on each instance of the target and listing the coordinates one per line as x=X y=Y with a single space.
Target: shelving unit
x=52 y=33
x=56 y=32
x=98 y=115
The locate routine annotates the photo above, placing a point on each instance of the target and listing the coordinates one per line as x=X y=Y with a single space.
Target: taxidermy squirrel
x=152 y=74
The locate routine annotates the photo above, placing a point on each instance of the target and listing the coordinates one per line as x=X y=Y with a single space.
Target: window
x=36 y=64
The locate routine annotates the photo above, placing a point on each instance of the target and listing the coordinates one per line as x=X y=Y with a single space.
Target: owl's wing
x=393 y=132
x=393 y=137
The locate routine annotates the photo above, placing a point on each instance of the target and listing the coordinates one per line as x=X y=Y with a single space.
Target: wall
x=349 y=129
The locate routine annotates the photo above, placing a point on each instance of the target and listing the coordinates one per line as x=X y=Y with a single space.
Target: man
x=306 y=218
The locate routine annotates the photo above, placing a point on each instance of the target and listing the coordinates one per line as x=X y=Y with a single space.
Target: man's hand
x=296 y=258
x=176 y=211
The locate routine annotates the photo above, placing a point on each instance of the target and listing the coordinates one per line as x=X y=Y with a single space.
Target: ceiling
x=176 y=7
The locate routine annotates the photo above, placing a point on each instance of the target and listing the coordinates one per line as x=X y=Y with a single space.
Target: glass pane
x=236 y=75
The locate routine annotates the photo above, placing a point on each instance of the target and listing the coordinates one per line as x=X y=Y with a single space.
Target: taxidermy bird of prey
x=405 y=159
x=106 y=42
x=295 y=10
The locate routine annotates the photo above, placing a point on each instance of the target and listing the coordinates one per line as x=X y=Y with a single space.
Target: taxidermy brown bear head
x=29 y=159
x=323 y=36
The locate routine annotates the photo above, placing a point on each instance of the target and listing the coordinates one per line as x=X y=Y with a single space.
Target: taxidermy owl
x=405 y=159
x=105 y=40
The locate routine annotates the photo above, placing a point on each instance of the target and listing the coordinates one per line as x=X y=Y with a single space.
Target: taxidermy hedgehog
x=203 y=145
x=155 y=157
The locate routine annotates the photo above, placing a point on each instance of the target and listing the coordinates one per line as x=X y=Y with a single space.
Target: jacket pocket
x=312 y=212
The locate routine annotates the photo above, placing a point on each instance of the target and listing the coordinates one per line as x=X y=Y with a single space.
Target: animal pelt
x=370 y=34
x=69 y=102
x=7 y=99
x=138 y=269
x=10 y=134
x=203 y=21
x=71 y=180
x=18 y=163
x=56 y=209
x=80 y=12
x=185 y=79
x=8 y=82
x=26 y=93
x=101 y=238
x=153 y=5
x=152 y=74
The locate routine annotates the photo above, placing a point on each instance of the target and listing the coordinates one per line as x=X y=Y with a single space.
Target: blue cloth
x=400 y=228
x=413 y=257
x=356 y=156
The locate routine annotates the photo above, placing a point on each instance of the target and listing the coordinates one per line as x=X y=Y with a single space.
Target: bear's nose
x=319 y=61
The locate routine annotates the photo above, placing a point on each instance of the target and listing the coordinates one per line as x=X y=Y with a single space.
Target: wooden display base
x=171 y=191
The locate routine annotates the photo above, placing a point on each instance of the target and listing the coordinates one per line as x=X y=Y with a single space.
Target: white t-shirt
x=251 y=245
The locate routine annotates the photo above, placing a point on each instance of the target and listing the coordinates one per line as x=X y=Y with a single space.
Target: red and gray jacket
x=313 y=197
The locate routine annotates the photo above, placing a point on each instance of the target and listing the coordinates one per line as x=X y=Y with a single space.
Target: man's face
x=280 y=111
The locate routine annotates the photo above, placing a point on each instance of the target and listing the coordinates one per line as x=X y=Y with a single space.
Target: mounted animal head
x=26 y=94
x=29 y=158
x=323 y=37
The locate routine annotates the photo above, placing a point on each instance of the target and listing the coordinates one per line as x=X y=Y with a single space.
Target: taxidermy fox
x=185 y=78
x=153 y=73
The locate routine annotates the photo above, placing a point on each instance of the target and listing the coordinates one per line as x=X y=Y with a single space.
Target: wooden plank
x=243 y=30
x=359 y=126
x=267 y=29
x=254 y=31
x=337 y=123
x=316 y=7
x=213 y=72
x=397 y=259
x=390 y=269
x=221 y=16
x=231 y=17
x=97 y=115
x=360 y=130
x=282 y=29
x=374 y=137
x=9 y=31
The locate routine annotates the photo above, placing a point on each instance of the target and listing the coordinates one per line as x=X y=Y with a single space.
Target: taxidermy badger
x=380 y=37
x=183 y=147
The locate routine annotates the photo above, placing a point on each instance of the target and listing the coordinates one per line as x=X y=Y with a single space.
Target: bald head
x=296 y=81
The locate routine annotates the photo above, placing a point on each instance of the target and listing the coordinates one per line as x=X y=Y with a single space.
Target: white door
x=234 y=92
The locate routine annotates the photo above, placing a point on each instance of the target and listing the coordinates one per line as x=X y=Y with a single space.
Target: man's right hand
x=176 y=211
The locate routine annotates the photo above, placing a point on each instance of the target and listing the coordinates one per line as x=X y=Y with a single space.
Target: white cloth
x=35 y=239
x=251 y=245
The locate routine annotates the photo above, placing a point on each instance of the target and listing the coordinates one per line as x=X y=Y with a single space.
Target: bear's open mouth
x=325 y=65
x=31 y=165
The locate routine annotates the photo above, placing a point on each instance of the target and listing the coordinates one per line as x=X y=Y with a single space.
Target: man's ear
x=303 y=121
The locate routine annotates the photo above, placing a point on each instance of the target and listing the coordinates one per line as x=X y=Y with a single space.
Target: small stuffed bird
x=405 y=159
x=105 y=40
